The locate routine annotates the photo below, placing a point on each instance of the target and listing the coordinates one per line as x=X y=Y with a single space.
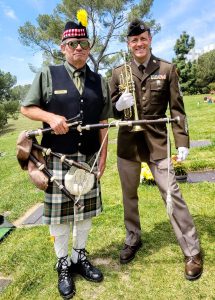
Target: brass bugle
x=127 y=83
x=62 y=188
x=63 y=159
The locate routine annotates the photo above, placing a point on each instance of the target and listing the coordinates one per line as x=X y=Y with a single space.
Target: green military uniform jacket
x=155 y=90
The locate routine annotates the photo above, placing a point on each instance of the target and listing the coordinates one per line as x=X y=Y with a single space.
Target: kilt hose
x=58 y=209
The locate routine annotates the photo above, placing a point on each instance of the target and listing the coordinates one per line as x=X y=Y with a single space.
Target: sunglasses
x=74 y=44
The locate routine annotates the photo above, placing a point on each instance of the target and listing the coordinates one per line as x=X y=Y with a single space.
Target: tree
x=6 y=82
x=19 y=92
x=206 y=70
x=212 y=87
x=8 y=104
x=107 y=22
x=187 y=70
x=3 y=116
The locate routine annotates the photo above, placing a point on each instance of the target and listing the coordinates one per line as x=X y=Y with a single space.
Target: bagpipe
x=130 y=123
x=31 y=157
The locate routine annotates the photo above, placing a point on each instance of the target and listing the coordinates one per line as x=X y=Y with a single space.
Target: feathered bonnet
x=74 y=30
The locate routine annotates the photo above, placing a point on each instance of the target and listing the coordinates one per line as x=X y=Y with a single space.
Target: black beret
x=137 y=27
x=74 y=30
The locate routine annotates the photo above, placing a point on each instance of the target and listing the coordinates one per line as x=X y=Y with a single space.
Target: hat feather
x=82 y=17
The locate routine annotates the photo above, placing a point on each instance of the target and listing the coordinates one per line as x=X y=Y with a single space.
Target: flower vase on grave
x=180 y=170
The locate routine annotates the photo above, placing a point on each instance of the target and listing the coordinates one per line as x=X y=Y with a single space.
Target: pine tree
x=206 y=71
x=186 y=69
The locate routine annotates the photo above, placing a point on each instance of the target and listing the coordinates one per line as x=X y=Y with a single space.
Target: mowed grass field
x=157 y=272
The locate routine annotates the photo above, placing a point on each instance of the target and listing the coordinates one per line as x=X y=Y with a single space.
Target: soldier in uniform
x=57 y=94
x=156 y=87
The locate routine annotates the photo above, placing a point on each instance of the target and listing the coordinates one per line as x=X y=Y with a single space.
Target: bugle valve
x=127 y=84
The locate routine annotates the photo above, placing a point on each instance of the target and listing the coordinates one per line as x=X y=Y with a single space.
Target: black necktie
x=141 y=68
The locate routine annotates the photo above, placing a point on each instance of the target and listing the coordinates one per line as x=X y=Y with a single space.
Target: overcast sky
x=196 y=17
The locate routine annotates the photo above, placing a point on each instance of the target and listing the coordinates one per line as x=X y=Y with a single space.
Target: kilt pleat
x=58 y=209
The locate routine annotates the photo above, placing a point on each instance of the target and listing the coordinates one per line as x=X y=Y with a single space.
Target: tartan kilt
x=58 y=209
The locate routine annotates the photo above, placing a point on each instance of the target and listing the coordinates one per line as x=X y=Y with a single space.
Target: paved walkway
x=201 y=176
x=200 y=143
x=4 y=282
x=32 y=217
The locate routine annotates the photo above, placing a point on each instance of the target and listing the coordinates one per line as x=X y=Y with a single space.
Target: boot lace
x=82 y=257
x=63 y=268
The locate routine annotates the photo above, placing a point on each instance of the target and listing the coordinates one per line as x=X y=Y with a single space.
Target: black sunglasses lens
x=84 y=44
x=74 y=44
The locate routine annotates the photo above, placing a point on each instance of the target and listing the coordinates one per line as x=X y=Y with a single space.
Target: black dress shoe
x=193 y=266
x=85 y=268
x=128 y=253
x=66 y=285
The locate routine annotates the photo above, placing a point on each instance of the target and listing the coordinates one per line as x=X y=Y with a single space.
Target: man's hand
x=182 y=153
x=126 y=100
x=58 y=124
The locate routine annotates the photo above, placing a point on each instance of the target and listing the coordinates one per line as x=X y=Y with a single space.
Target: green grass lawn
x=27 y=254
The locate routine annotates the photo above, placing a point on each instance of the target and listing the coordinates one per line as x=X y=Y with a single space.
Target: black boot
x=66 y=285
x=85 y=268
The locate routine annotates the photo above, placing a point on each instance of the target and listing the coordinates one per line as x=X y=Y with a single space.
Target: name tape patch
x=59 y=92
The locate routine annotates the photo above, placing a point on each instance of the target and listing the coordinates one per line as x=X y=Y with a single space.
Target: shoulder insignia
x=165 y=61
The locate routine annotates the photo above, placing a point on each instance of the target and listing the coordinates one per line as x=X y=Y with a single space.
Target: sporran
x=78 y=181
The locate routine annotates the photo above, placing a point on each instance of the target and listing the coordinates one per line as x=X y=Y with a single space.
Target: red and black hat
x=137 y=27
x=74 y=30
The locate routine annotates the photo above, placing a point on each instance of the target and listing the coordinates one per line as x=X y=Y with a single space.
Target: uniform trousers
x=181 y=220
